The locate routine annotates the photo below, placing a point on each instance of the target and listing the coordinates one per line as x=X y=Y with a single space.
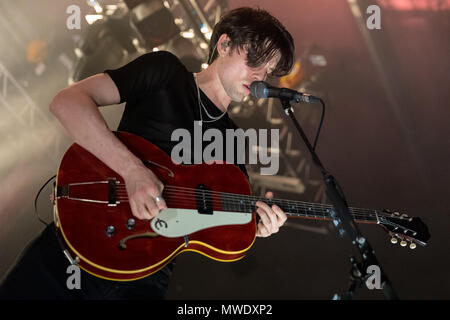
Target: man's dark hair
x=260 y=34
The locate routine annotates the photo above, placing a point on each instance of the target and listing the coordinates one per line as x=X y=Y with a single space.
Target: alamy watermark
x=73 y=21
x=235 y=144
x=374 y=280
x=74 y=279
x=374 y=20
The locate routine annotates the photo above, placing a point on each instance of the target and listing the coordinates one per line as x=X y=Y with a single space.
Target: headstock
x=403 y=228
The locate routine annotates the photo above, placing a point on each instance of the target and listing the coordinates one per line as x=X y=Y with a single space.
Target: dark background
x=385 y=138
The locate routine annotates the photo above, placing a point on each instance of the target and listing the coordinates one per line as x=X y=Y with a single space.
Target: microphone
x=261 y=89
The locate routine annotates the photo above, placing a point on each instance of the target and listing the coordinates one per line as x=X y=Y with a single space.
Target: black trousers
x=41 y=274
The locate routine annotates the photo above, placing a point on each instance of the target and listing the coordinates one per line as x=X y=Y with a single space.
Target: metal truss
x=26 y=114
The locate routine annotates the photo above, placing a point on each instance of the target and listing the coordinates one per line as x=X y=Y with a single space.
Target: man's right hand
x=143 y=187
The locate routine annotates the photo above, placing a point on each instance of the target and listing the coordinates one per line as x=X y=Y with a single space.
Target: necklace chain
x=200 y=106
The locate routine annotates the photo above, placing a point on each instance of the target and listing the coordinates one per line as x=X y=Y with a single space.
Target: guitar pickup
x=203 y=199
x=112 y=192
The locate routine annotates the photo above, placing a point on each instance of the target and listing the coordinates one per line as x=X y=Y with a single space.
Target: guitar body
x=91 y=198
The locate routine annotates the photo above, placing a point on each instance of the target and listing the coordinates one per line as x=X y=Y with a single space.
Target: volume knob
x=131 y=223
x=403 y=243
x=394 y=240
x=110 y=230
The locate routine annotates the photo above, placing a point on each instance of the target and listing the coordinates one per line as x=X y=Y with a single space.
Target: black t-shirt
x=161 y=96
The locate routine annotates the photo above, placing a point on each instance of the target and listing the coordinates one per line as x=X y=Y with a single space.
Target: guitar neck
x=295 y=209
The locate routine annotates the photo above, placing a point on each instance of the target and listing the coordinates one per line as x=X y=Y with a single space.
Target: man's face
x=236 y=76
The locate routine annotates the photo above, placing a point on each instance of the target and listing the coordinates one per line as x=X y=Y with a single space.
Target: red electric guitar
x=210 y=211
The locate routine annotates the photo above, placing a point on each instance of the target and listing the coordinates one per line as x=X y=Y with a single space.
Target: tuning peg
x=412 y=245
x=394 y=240
x=403 y=243
x=394 y=214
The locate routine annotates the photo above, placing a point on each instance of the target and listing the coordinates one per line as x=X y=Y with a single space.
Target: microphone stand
x=345 y=224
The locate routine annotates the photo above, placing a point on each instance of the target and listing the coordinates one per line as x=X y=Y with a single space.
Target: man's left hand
x=272 y=218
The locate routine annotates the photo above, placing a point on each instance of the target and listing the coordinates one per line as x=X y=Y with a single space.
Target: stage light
x=188 y=34
x=78 y=53
x=318 y=60
x=153 y=20
x=37 y=51
x=98 y=9
x=205 y=29
x=91 y=18
x=94 y=4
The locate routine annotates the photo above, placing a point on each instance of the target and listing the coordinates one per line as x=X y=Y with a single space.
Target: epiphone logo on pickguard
x=160 y=223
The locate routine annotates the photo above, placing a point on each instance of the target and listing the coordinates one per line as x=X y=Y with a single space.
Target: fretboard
x=292 y=208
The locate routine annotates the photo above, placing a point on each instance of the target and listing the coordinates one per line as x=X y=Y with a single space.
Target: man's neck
x=209 y=82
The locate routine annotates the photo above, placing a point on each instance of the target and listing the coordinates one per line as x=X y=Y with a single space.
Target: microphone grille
x=259 y=89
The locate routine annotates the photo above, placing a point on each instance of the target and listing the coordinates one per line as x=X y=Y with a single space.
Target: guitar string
x=299 y=215
x=308 y=214
x=289 y=203
x=219 y=196
x=187 y=202
x=227 y=195
x=244 y=203
x=359 y=217
x=236 y=202
x=294 y=210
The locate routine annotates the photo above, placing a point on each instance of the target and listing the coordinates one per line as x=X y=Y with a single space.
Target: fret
x=328 y=211
x=242 y=207
x=308 y=211
x=247 y=203
x=298 y=210
x=295 y=209
x=322 y=210
x=291 y=208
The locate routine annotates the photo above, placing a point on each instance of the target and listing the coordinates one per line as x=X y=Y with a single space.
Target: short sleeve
x=145 y=74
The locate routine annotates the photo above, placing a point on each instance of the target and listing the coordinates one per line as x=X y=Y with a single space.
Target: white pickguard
x=174 y=222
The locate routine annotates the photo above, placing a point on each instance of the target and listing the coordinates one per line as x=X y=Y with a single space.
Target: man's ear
x=224 y=44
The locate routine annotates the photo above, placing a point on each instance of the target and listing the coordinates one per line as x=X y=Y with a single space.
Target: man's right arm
x=76 y=107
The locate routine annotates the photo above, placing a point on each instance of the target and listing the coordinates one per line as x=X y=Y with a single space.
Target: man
x=246 y=45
